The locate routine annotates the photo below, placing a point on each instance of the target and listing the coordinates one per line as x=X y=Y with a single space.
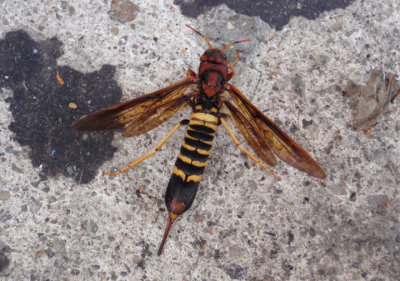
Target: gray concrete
x=243 y=224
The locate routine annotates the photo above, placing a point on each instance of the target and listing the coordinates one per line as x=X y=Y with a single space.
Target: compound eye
x=207 y=53
x=223 y=56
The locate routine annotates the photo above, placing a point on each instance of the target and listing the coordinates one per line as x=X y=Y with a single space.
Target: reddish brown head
x=213 y=70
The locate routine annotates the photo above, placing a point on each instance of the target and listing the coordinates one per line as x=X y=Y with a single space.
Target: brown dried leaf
x=369 y=101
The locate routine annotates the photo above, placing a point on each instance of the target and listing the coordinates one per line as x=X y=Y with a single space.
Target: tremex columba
x=210 y=96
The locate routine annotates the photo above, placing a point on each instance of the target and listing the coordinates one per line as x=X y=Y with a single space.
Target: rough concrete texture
x=243 y=225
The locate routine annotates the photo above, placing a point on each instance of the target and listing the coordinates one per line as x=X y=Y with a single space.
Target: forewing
x=248 y=128
x=124 y=113
x=282 y=145
x=155 y=115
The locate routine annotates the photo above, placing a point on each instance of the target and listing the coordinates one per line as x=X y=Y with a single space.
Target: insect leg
x=232 y=64
x=251 y=155
x=167 y=81
x=158 y=147
x=191 y=73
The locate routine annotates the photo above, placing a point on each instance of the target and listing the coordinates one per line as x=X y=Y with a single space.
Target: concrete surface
x=243 y=224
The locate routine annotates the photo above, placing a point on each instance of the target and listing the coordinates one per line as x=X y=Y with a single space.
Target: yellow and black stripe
x=192 y=158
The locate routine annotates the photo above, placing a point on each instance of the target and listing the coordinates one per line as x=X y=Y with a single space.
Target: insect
x=210 y=94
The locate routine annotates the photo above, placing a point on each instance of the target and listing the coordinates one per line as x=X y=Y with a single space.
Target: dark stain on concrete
x=276 y=13
x=4 y=260
x=47 y=98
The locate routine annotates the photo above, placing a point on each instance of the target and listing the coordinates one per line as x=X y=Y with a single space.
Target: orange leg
x=158 y=147
x=251 y=155
x=188 y=74
x=230 y=75
x=235 y=60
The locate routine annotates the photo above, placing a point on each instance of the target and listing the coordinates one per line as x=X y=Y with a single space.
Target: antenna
x=205 y=38
x=232 y=43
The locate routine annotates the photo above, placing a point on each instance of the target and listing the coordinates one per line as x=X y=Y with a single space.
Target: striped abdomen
x=192 y=159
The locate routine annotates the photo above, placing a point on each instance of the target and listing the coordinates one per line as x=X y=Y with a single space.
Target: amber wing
x=140 y=114
x=248 y=128
x=269 y=135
